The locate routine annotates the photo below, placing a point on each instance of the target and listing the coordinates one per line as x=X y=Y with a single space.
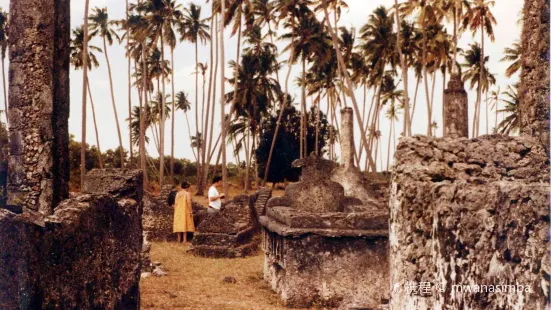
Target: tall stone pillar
x=456 y=109
x=347 y=137
x=534 y=80
x=38 y=172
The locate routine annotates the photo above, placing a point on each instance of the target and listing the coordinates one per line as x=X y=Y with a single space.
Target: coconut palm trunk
x=223 y=91
x=278 y=123
x=214 y=80
x=163 y=116
x=121 y=150
x=344 y=73
x=84 y=83
x=207 y=133
x=143 y=116
x=172 y=120
x=425 y=78
x=5 y=89
x=131 y=149
x=480 y=76
x=95 y=124
x=198 y=140
x=403 y=63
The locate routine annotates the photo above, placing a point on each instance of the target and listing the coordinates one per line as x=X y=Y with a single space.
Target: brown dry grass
x=197 y=283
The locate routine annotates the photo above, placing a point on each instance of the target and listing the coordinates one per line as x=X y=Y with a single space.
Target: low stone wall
x=84 y=256
x=158 y=216
x=470 y=215
x=231 y=232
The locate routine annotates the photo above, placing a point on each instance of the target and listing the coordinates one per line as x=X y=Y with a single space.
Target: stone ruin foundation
x=469 y=221
x=326 y=242
x=234 y=230
x=84 y=256
x=59 y=253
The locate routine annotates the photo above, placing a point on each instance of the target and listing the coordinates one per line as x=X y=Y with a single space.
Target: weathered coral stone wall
x=534 y=83
x=84 y=256
x=469 y=212
x=39 y=103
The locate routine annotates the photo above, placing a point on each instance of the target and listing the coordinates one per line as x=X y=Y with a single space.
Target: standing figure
x=183 y=217
x=215 y=198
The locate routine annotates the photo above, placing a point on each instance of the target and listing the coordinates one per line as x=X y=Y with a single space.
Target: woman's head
x=185 y=185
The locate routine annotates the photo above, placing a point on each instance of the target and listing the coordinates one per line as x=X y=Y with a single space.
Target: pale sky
x=506 y=32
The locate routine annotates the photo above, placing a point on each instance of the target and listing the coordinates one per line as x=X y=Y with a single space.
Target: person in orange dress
x=183 y=217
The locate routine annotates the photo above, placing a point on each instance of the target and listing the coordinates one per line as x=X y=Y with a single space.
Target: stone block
x=470 y=222
x=120 y=183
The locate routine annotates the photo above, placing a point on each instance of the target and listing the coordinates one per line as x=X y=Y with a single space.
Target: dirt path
x=197 y=283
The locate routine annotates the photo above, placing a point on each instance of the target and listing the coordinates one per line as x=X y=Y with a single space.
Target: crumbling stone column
x=456 y=109
x=38 y=103
x=534 y=81
x=347 y=137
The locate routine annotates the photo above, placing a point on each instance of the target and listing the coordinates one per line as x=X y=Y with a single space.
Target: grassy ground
x=197 y=283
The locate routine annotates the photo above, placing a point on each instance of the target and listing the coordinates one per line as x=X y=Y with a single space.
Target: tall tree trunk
x=317 y=127
x=95 y=124
x=487 y=112
x=404 y=71
x=198 y=138
x=425 y=77
x=455 y=39
x=5 y=90
x=121 y=150
x=84 y=83
x=278 y=124
x=143 y=116
x=414 y=102
x=389 y=140
x=162 y=126
x=480 y=76
x=207 y=133
x=222 y=86
x=172 y=120
x=497 y=103
x=344 y=73
x=303 y=111
x=131 y=149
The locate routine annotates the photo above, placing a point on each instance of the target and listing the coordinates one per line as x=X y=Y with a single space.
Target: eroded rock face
x=534 y=81
x=231 y=232
x=84 y=256
x=39 y=103
x=470 y=212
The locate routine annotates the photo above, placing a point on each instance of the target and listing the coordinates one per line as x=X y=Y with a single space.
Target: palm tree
x=4 y=46
x=482 y=78
x=479 y=17
x=392 y=114
x=173 y=18
x=128 y=46
x=307 y=40
x=428 y=13
x=495 y=99
x=194 y=29
x=222 y=86
x=455 y=9
x=101 y=25
x=514 y=55
x=92 y=61
x=84 y=84
x=511 y=123
x=378 y=41
x=404 y=65
x=346 y=76
x=182 y=103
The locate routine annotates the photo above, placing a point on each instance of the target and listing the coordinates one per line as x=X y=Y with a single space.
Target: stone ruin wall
x=470 y=212
x=84 y=256
x=476 y=212
x=39 y=103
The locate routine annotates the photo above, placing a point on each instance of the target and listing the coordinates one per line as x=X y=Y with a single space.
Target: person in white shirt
x=215 y=198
